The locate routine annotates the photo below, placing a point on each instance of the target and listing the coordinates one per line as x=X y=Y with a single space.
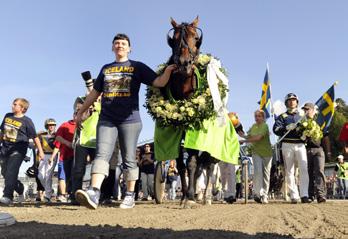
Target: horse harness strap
x=183 y=42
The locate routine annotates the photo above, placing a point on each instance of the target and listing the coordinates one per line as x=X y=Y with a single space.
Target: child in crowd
x=45 y=169
x=64 y=145
x=16 y=130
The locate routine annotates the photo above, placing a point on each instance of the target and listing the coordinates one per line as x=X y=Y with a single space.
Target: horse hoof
x=207 y=202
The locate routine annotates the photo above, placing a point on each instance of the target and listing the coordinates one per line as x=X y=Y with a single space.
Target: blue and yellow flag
x=265 y=102
x=326 y=108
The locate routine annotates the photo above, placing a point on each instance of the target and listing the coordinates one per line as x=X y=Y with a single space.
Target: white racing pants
x=295 y=154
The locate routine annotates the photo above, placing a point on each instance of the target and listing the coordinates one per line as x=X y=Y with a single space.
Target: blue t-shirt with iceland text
x=16 y=132
x=120 y=83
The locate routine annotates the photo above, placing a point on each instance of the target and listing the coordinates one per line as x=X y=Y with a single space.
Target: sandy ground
x=168 y=220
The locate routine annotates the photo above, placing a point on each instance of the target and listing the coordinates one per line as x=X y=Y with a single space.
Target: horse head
x=185 y=40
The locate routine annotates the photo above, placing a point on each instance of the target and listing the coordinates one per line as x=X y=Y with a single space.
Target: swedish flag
x=326 y=108
x=265 y=102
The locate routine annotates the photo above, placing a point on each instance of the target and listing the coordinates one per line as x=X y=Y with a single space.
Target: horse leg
x=191 y=169
x=209 y=165
x=182 y=173
x=198 y=173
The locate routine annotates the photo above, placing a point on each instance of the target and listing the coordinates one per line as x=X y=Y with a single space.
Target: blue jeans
x=147 y=184
x=107 y=133
x=10 y=165
x=342 y=187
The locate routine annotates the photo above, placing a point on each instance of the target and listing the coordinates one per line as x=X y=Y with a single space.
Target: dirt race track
x=169 y=220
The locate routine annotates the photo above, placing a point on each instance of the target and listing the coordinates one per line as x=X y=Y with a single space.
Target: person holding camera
x=172 y=178
x=118 y=83
x=147 y=168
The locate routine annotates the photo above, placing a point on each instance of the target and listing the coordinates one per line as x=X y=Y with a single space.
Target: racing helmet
x=49 y=121
x=290 y=96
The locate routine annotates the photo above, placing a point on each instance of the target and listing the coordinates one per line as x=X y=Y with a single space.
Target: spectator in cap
x=342 y=176
x=45 y=169
x=316 y=160
x=293 y=149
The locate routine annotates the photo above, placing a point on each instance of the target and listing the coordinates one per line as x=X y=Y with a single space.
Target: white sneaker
x=128 y=202
x=89 y=198
x=20 y=198
x=5 y=201
x=62 y=198
x=264 y=200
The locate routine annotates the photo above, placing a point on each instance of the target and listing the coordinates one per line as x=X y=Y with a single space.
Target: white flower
x=190 y=111
x=168 y=106
x=201 y=100
x=203 y=59
x=175 y=115
x=158 y=109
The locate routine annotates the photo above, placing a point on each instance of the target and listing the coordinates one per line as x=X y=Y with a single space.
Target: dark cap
x=308 y=105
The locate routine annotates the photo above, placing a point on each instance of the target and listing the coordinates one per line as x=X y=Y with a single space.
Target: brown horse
x=185 y=43
x=185 y=40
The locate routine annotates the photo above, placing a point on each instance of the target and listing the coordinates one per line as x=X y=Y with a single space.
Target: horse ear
x=195 y=22
x=173 y=22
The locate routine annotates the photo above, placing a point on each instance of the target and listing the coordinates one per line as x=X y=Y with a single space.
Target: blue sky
x=45 y=46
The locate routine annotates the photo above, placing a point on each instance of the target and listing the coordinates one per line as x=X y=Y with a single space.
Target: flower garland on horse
x=188 y=113
x=202 y=118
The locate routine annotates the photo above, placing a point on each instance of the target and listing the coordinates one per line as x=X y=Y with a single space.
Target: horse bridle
x=183 y=43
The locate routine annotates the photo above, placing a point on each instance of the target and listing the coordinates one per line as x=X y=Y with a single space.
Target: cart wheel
x=159 y=183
